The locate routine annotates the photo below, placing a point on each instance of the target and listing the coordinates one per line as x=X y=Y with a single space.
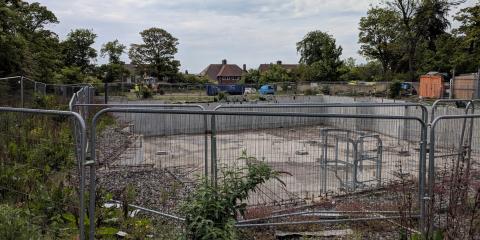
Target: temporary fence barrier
x=35 y=142
x=453 y=167
x=296 y=149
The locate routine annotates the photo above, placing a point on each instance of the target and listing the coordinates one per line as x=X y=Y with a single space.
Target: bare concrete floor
x=296 y=152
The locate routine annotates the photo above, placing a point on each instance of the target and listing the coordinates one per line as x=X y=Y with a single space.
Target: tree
x=407 y=10
x=77 y=49
x=275 y=73
x=27 y=48
x=468 y=32
x=319 y=51
x=156 y=53
x=115 y=69
x=113 y=50
x=252 y=76
x=432 y=19
x=380 y=39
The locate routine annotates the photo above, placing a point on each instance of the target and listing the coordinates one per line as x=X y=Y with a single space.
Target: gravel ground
x=154 y=188
x=111 y=143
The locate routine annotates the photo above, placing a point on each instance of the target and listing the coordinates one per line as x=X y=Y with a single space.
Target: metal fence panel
x=39 y=168
x=315 y=161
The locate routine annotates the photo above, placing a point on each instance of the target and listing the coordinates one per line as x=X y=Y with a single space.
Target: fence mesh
x=39 y=175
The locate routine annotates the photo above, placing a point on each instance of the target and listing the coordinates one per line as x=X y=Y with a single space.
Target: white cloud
x=243 y=31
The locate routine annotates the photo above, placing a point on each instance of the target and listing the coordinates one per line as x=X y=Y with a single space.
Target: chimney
x=224 y=61
x=279 y=62
x=244 y=67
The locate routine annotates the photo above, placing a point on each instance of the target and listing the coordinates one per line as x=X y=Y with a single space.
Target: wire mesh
x=311 y=166
x=39 y=173
x=453 y=175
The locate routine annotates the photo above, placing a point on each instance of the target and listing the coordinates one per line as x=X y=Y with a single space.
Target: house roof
x=264 y=67
x=230 y=70
x=213 y=71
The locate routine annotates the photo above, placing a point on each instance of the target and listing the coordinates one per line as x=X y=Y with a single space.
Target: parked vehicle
x=267 y=89
x=213 y=90
x=407 y=89
x=250 y=90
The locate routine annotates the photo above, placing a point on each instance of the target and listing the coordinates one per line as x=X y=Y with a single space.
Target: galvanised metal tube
x=423 y=142
x=6 y=78
x=283 y=105
x=431 y=155
x=153 y=211
x=83 y=141
x=439 y=101
x=323 y=221
x=315 y=212
x=140 y=105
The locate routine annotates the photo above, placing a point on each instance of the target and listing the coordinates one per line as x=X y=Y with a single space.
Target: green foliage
x=14 y=224
x=319 y=52
x=112 y=220
x=112 y=72
x=156 y=53
x=27 y=47
x=78 y=50
x=146 y=92
x=380 y=39
x=394 y=89
x=192 y=78
x=275 y=73
x=252 y=76
x=212 y=210
x=222 y=96
x=311 y=92
x=69 y=75
x=113 y=50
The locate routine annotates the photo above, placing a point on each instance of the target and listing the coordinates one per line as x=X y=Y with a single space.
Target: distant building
x=224 y=73
x=265 y=67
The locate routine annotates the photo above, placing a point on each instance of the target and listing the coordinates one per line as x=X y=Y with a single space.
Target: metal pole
x=106 y=92
x=205 y=125
x=22 y=102
x=213 y=148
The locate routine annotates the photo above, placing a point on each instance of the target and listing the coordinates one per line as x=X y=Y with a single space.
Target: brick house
x=224 y=73
x=266 y=66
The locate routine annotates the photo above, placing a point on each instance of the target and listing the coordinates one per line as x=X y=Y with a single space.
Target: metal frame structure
x=462 y=149
x=214 y=169
x=358 y=156
x=78 y=120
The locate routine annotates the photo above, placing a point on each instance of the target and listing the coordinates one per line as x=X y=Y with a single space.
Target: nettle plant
x=212 y=210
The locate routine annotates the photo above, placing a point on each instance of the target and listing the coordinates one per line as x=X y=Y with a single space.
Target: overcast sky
x=242 y=31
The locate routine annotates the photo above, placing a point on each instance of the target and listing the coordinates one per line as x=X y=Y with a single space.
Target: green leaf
x=107 y=231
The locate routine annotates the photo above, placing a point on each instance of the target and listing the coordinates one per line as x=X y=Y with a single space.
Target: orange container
x=431 y=86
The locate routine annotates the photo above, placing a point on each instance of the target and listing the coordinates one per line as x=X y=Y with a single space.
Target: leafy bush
x=14 y=224
x=311 y=92
x=212 y=210
x=394 y=89
x=146 y=92
x=222 y=96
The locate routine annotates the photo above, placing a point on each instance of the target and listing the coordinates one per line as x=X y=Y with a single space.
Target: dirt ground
x=298 y=152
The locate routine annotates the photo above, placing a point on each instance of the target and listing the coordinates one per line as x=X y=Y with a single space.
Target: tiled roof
x=266 y=66
x=230 y=70
x=223 y=70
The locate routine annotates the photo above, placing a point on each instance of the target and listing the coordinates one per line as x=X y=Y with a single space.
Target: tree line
x=400 y=39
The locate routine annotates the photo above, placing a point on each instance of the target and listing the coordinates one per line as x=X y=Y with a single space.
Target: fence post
x=213 y=150
x=205 y=124
x=21 y=92
x=105 y=86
